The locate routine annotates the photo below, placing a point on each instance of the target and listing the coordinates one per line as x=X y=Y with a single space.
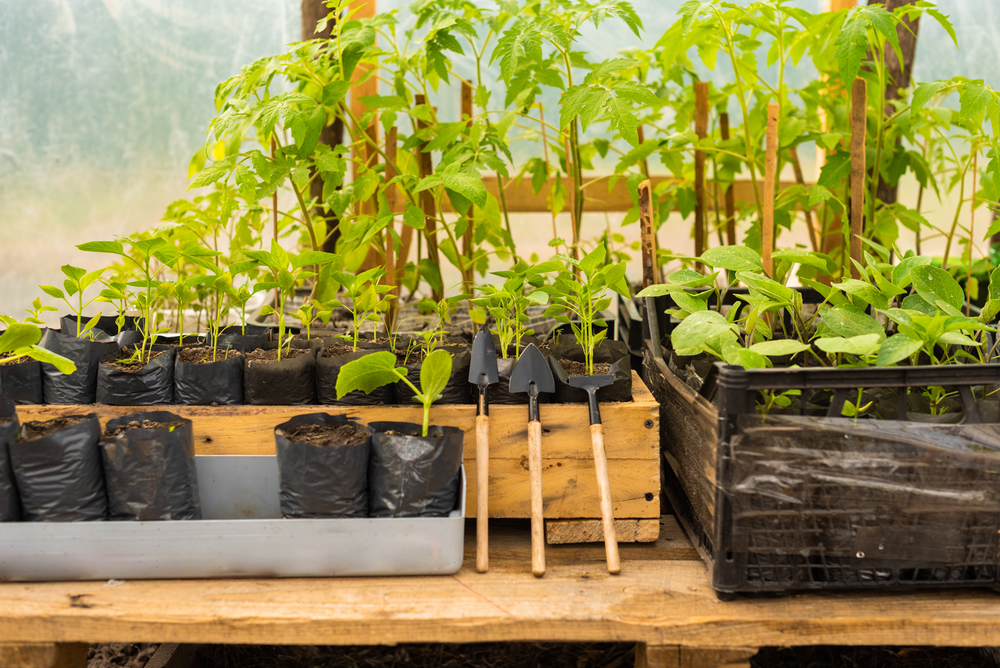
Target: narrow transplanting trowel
x=483 y=372
x=531 y=374
x=591 y=384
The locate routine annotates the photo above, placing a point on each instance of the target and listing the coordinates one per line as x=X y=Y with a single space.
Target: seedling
x=367 y=299
x=377 y=369
x=508 y=303
x=76 y=282
x=579 y=300
x=21 y=340
x=35 y=312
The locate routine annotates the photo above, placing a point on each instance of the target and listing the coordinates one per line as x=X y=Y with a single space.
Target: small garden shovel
x=591 y=384
x=532 y=375
x=483 y=372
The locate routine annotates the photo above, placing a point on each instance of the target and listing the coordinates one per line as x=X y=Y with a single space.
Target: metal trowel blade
x=531 y=367
x=483 y=369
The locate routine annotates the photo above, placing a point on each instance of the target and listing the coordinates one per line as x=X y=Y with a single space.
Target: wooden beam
x=770 y=176
x=44 y=655
x=676 y=656
x=647 y=234
x=701 y=130
x=391 y=278
x=562 y=532
x=730 y=198
x=427 y=201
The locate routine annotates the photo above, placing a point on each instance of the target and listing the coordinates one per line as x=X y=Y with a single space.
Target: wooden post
x=770 y=178
x=859 y=129
x=390 y=249
x=644 y=166
x=730 y=199
x=675 y=656
x=427 y=202
x=467 y=239
x=647 y=234
x=700 y=129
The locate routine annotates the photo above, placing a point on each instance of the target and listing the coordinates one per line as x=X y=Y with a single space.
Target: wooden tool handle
x=482 y=493
x=604 y=490
x=535 y=480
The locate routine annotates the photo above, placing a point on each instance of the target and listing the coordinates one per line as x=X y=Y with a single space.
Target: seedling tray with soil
x=242 y=535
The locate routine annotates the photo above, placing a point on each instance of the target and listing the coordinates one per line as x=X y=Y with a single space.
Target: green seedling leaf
x=64 y=365
x=849 y=321
x=865 y=292
x=368 y=373
x=434 y=374
x=698 y=328
x=19 y=335
x=732 y=258
x=779 y=347
x=938 y=288
x=862 y=345
x=897 y=348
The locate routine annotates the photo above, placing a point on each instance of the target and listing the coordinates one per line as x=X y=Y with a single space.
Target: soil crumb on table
x=35 y=430
x=574 y=368
x=203 y=354
x=269 y=356
x=143 y=424
x=120 y=655
x=322 y=435
x=476 y=655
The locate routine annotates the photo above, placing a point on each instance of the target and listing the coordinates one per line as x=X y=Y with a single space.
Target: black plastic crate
x=804 y=502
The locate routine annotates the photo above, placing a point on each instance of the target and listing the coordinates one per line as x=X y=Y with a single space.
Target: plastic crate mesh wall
x=829 y=510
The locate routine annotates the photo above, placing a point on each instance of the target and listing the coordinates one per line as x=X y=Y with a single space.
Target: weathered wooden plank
x=44 y=655
x=569 y=480
x=674 y=656
x=560 y=532
x=661 y=597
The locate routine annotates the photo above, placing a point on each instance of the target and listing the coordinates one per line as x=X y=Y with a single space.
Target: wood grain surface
x=662 y=597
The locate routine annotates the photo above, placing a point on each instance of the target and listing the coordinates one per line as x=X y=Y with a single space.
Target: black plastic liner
x=244 y=339
x=10 y=503
x=106 y=324
x=150 y=473
x=320 y=482
x=414 y=476
x=59 y=477
x=219 y=382
x=614 y=353
x=21 y=382
x=152 y=384
x=174 y=339
x=79 y=387
x=290 y=382
x=457 y=391
x=327 y=372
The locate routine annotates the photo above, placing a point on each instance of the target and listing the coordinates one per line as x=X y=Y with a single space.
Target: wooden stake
x=427 y=203
x=647 y=235
x=700 y=129
x=770 y=178
x=730 y=200
x=390 y=250
x=859 y=128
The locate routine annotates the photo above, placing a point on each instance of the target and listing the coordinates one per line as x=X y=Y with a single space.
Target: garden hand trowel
x=531 y=374
x=591 y=384
x=482 y=372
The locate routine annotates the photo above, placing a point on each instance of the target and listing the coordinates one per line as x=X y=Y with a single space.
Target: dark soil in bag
x=21 y=381
x=328 y=365
x=610 y=357
x=201 y=382
x=57 y=468
x=136 y=384
x=410 y=475
x=457 y=391
x=10 y=503
x=149 y=468
x=79 y=387
x=322 y=466
x=289 y=382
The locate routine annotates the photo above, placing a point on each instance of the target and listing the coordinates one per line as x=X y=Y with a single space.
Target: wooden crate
x=631 y=432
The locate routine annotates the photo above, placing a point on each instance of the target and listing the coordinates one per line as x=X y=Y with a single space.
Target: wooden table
x=661 y=600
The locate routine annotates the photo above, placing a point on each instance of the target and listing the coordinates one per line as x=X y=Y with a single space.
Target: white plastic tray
x=242 y=535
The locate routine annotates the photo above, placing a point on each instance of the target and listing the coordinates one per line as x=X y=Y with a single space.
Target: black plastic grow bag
x=150 y=473
x=614 y=353
x=22 y=381
x=10 y=504
x=327 y=372
x=152 y=384
x=290 y=382
x=79 y=387
x=203 y=384
x=321 y=481
x=412 y=475
x=59 y=477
